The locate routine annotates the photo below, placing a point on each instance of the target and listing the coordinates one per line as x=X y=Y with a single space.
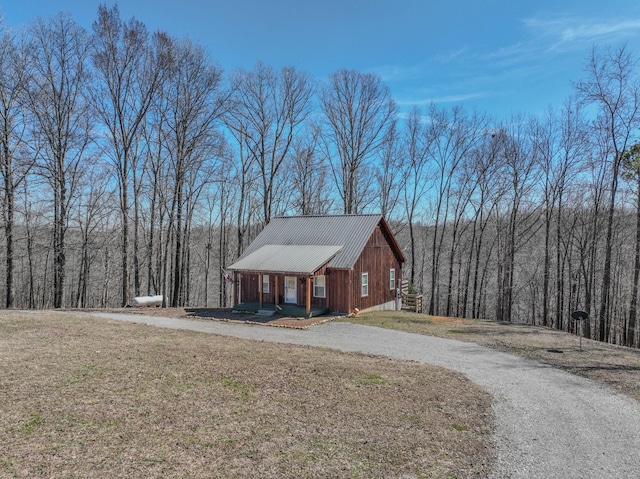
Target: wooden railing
x=411 y=302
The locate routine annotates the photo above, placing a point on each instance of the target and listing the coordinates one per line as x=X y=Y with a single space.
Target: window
x=392 y=278
x=319 y=287
x=265 y=283
x=365 y=284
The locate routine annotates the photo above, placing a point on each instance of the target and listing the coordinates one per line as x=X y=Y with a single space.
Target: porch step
x=265 y=312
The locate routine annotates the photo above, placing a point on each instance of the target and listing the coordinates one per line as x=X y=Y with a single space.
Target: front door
x=290 y=291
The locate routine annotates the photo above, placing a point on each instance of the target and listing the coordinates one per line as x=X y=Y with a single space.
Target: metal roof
x=294 y=259
x=351 y=232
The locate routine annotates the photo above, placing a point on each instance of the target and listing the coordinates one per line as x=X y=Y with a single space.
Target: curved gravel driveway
x=549 y=424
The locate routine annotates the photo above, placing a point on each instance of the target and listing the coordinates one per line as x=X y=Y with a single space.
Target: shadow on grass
x=612 y=367
x=490 y=330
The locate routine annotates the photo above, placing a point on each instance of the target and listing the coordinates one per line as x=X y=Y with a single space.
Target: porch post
x=350 y=292
x=260 y=288
x=308 y=295
x=276 y=290
x=235 y=288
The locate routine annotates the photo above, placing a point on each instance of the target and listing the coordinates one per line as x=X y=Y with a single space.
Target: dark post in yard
x=580 y=316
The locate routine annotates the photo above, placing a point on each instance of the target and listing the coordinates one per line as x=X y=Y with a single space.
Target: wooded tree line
x=132 y=164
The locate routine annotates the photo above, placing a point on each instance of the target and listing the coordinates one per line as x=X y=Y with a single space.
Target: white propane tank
x=146 y=301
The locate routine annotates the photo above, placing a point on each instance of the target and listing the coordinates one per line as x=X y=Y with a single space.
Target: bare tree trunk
x=13 y=124
x=8 y=208
x=547 y=264
x=604 y=314
x=62 y=118
x=124 y=251
x=632 y=165
x=633 y=308
x=177 y=261
x=31 y=296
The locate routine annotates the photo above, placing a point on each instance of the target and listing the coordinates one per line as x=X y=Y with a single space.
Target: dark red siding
x=377 y=259
x=338 y=286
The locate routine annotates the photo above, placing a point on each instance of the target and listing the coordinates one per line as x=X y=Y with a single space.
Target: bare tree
x=452 y=136
x=417 y=142
x=62 y=121
x=359 y=110
x=517 y=219
x=589 y=222
x=462 y=193
x=611 y=86
x=267 y=110
x=130 y=69
x=194 y=104
x=91 y=215
x=15 y=159
x=631 y=165
x=545 y=145
x=486 y=169
x=308 y=175
x=471 y=134
x=572 y=150
x=28 y=215
x=225 y=183
x=246 y=177
x=556 y=142
x=157 y=183
x=389 y=172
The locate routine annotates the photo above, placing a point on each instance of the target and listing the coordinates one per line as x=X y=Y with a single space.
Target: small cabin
x=336 y=263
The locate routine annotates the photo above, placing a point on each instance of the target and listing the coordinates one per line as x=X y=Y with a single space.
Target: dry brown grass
x=614 y=366
x=87 y=397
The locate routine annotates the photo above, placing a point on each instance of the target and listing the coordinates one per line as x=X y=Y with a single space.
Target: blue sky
x=497 y=56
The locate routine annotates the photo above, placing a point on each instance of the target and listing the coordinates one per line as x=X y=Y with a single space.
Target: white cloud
x=462 y=97
x=391 y=73
x=451 y=56
x=567 y=32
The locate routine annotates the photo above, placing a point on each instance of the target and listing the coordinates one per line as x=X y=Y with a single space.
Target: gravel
x=549 y=424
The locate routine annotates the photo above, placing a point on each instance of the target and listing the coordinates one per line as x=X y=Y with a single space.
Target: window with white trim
x=392 y=278
x=365 y=284
x=319 y=286
x=265 y=283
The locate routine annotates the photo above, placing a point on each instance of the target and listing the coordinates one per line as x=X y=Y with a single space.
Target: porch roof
x=289 y=259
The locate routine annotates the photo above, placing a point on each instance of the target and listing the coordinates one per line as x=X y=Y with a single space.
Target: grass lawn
x=615 y=366
x=87 y=397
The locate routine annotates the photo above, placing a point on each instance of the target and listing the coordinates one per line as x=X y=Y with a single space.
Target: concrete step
x=265 y=312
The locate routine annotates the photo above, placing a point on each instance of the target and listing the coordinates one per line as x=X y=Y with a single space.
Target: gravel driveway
x=549 y=424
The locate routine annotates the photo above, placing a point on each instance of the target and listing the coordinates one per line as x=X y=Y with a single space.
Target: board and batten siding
x=377 y=259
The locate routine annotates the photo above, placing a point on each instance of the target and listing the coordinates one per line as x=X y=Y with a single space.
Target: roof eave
x=282 y=273
x=392 y=239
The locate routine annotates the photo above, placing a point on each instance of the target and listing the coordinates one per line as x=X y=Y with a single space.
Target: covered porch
x=279 y=278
